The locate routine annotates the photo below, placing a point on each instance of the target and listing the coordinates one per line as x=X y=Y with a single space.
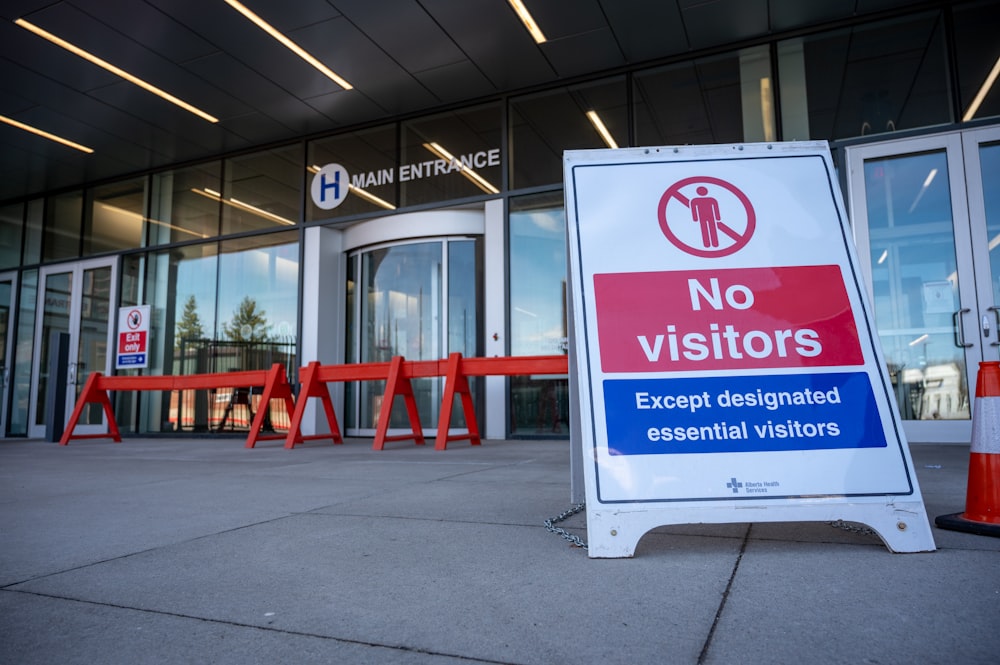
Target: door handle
x=996 y=313
x=959 y=324
x=71 y=374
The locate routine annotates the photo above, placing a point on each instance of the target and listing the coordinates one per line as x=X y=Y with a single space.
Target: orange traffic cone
x=982 y=499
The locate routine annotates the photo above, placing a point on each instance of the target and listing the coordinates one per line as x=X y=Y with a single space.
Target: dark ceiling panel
x=456 y=82
x=723 y=21
x=290 y=16
x=646 y=29
x=558 y=19
x=405 y=31
x=150 y=27
x=494 y=39
x=788 y=14
x=582 y=53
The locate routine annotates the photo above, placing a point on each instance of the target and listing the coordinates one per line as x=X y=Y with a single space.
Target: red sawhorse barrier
x=397 y=374
x=95 y=391
x=457 y=375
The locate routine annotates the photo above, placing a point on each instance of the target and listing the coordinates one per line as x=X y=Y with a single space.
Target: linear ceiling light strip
x=117 y=71
x=983 y=90
x=528 y=20
x=43 y=133
x=598 y=124
x=289 y=44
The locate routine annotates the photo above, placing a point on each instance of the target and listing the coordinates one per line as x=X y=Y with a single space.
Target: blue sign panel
x=742 y=414
x=132 y=359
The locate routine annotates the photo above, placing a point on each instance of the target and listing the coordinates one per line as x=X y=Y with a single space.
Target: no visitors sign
x=728 y=365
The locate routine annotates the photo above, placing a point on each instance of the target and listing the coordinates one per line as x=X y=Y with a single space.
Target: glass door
x=919 y=215
x=8 y=293
x=75 y=299
x=418 y=300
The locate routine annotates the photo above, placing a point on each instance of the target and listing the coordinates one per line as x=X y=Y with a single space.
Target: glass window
x=977 y=53
x=258 y=288
x=545 y=124
x=114 y=217
x=538 y=314
x=869 y=79
x=369 y=156
x=186 y=204
x=11 y=227
x=33 y=232
x=17 y=421
x=63 y=218
x=451 y=156
x=262 y=190
x=180 y=288
x=690 y=103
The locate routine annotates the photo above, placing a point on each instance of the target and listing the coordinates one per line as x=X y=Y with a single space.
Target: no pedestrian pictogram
x=706 y=216
x=134 y=319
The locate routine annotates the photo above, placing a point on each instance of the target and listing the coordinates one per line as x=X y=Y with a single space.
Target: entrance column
x=322 y=331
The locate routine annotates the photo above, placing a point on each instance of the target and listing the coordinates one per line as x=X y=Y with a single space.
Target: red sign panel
x=132 y=342
x=746 y=318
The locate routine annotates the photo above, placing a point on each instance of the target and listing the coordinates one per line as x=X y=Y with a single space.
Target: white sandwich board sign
x=727 y=358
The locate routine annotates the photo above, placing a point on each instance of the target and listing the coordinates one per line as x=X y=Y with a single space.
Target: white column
x=495 y=319
x=323 y=332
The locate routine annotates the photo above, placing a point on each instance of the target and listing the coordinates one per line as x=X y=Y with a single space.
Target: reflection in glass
x=6 y=294
x=11 y=226
x=538 y=314
x=262 y=190
x=989 y=164
x=545 y=124
x=915 y=283
x=114 y=217
x=63 y=218
x=690 y=103
x=186 y=204
x=868 y=79
x=370 y=158
x=975 y=57
x=55 y=318
x=401 y=316
x=20 y=386
x=451 y=156
x=180 y=287
x=92 y=351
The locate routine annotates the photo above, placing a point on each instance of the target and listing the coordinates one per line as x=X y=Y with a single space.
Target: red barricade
x=397 y=374
x=457 y=383
x=97 y=388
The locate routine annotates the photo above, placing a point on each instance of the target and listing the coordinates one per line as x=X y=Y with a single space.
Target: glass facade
x=538 y=310
x=215 y=247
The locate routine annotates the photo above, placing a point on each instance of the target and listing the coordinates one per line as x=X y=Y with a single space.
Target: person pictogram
x=726 y=218
x=705 y=210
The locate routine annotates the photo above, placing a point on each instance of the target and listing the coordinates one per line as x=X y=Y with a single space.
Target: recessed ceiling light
x=117 y=71
x=981 y=95
x=289 y=44
x=43 y=133
x=598 y=124
x=527 y=20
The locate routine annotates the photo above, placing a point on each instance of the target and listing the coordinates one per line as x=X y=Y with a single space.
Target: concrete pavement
x=201 y=551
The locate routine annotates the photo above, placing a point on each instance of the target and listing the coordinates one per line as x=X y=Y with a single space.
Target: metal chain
x=841 y=524
x=550 y=525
